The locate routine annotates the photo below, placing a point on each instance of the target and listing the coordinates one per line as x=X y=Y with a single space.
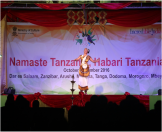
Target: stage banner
x=41 y=59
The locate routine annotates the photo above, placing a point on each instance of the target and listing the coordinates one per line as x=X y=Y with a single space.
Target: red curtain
x=158 y=3
x=3 y=13
x=133 y=18
x=53 y=6
x=4 y=4
x=43 y=18
x=113 y=6
x=125 y=18
x=60 y=101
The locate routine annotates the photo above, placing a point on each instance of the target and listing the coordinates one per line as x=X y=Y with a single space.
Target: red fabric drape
x=4 y=4
x=158 y=3
x=113 y=6
x=43 y=18
x=53 y=6
x=3 y=13
x=133 y=18
x=80 y=100
x=125 y=18
x=60 y=101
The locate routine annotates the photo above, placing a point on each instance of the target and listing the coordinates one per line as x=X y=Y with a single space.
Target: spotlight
x=0 y=55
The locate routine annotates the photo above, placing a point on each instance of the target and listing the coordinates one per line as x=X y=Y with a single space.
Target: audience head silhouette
x=35 y=104
x=98 y=114
x=10 y=101
x=21 y=102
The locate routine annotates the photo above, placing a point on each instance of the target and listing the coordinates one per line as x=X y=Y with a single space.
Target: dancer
x=84 y=70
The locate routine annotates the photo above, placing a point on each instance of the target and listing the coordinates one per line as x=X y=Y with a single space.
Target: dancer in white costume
x=84 y=70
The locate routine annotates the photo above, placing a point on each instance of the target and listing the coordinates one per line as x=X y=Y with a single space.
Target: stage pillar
x=3 y=53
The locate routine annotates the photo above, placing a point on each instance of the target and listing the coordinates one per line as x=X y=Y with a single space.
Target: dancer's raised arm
x=94 y=60
x=77 y=59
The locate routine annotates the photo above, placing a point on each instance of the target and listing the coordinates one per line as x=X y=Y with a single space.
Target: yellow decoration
x=80 y=19
x=102 y=20
x=71 y=18
x=92 y=19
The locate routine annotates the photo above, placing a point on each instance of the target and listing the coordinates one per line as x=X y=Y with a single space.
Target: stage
x=64 y=101
x=40 y=54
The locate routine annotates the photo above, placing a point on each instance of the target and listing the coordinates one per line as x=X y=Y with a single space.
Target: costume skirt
x=83 y=78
